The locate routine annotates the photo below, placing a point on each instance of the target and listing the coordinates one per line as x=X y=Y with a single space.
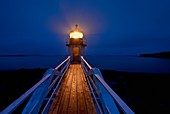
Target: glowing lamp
x=76 y=34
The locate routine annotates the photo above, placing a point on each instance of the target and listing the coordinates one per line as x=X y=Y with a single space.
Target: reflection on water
x=113 y=62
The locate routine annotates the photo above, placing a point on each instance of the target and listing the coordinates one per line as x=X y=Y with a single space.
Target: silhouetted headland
x=157 y=55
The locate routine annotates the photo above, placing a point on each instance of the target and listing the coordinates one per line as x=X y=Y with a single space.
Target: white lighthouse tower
x=76 y=44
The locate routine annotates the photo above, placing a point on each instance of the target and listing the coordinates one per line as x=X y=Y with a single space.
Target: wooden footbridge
x=74 y=95
x=73 y=87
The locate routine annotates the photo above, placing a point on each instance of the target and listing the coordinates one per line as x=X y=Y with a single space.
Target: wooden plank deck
x=73 y=96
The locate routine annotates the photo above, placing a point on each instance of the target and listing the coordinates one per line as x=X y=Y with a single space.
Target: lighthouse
x=76 y=44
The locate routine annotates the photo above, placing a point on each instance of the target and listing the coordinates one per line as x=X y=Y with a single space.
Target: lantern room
x=76 y=33
x=76 y=44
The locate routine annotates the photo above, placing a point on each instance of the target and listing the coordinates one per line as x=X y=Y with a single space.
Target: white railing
x=44 y=86
x=109 y=100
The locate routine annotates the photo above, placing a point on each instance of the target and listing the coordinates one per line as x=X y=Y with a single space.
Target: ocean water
x=130 y=63
x=30 y=62
x=109 y=62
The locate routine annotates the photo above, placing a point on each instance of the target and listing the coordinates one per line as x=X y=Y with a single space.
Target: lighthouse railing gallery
x=105 y=99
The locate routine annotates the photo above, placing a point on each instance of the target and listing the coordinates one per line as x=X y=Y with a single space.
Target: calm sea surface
x=111 y=62
x=30 y=62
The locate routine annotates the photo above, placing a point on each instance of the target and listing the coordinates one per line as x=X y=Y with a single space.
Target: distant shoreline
x=24 y=55
x=157 y=55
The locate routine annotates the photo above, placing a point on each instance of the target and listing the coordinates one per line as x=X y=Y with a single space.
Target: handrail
x=54 y=91
x=93 y=94
x=86 y=62
x=23 y=97
x=62 y=63
x=96 y=74
x=119 y=101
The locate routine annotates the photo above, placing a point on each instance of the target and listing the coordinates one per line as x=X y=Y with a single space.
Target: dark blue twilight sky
x=110 y=26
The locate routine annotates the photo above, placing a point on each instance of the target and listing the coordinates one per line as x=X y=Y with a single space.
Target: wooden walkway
x=73 y=96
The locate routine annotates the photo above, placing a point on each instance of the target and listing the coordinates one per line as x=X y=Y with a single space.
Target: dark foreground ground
x=15 y=83
x=144 y=93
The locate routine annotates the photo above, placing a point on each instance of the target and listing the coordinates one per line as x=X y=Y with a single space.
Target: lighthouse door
x=76 y=54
